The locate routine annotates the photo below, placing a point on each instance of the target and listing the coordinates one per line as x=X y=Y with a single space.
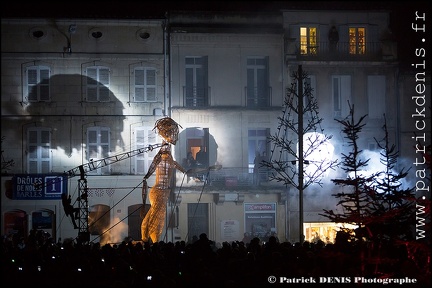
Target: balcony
x=342 y=51
x=232 y=178
x=194 y=96
x=258 y=97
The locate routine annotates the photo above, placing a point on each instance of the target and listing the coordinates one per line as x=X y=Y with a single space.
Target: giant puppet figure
x=163 y=164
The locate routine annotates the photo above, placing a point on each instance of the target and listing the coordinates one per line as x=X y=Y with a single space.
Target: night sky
x=402 y=13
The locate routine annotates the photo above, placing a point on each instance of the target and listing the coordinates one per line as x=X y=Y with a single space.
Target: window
x=38 y=150
x=258 y=90
x=372 y=145
x=198 y=219
x=257 y=143
x=135 y=214
x=98 y=81
x=98 y=146
x=376 y=95
x=357 y=40
x=43 y=219
x=308 y=41
x=197 y=139
x=145 y=85
x=99 y=219
x=325 y=231
x=16 y=222
x=145 y=136
x=341 y=91
x=196 y=89
x=260 y=218
x=38 y=84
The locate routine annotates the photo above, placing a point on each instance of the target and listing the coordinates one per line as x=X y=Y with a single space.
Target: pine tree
x=298 y=139
x=354 y=198
x=284 y=160
x=393 y=204
x=377 y=203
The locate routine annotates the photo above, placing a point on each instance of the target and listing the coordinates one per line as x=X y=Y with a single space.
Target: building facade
x=76 y=92
x=83 y=90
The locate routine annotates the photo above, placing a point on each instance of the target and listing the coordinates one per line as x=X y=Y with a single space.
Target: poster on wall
x=39 y=186
x=230 y=230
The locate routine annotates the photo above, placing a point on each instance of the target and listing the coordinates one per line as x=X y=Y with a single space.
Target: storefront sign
x=39 y=186
x=260 y=207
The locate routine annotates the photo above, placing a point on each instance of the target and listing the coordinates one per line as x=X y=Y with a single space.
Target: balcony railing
x=194 y=96
x=258 y=96
x=341 y=51
x=231 y=178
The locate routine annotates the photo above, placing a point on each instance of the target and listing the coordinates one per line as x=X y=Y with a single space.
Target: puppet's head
x=168 y=129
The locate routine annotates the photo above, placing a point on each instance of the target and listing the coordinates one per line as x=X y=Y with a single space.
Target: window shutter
x=98 y=142
x=104 y=84
x=140 y=159
x=91 y=76
x=32 y=151
x=92 y=94
x=39 y=147
x=44 y=85
x=91 y=84
x=92 y=144
x=139 y=85
x=104 y=140
x=151 y=85
x=98 y=84
x=104 y=76
x=32 y=80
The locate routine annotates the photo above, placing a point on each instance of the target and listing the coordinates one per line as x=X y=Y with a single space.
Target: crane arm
x=93 y=165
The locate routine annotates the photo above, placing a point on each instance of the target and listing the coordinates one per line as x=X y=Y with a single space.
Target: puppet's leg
x=145 y=224
x=153 y=223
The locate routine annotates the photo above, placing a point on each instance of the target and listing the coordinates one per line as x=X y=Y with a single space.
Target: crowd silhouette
x=40 y=261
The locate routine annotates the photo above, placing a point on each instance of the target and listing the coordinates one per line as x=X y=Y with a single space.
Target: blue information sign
x=39 y=186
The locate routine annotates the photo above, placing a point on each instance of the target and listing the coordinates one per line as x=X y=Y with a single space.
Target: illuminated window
x=357 y=40
x=38 y=150
x=98 y=146
x=196 y=89
x=145 y=136
x=38 y=84
x=257 y=143
x=324 y=231
x=258 y=90
x=145 y=85
x=98 y=82
x=197 y=143
x=308 y=41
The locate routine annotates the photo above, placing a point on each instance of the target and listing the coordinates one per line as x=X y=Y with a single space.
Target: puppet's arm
x=156 y=160
x=179 y=167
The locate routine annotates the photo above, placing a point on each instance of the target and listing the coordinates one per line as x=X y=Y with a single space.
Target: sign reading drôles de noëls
x=39 y=186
